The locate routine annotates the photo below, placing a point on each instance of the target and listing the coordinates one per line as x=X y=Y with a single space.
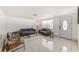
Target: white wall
x=2 y=26
x=2 y=22
x=74 y=25
x=56 y=25
x=8 y=23
x=14 y=23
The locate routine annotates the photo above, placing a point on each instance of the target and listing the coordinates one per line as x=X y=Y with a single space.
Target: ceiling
x=34 y=12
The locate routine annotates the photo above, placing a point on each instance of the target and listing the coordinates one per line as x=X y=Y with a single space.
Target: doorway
x=65 y=27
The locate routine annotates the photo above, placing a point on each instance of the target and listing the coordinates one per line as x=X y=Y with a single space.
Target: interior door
x=65 y=27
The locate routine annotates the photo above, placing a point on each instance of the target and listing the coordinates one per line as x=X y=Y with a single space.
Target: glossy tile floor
x=41 y=43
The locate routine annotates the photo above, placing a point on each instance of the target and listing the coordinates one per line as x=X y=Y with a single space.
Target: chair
x=13 y=42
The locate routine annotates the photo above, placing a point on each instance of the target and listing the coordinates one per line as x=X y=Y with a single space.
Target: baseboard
x=65 y=38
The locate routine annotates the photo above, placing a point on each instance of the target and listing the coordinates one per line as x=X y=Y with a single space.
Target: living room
x=38 y=29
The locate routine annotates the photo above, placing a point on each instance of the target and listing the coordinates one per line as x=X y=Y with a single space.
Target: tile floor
x=35 y=44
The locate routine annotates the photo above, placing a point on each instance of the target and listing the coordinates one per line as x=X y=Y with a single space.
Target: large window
x=47 y=24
